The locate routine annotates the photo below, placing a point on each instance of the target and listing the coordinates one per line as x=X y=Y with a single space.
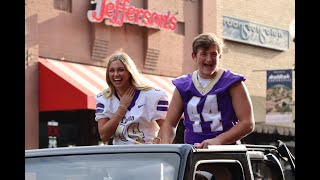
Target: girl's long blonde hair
x=135 y=75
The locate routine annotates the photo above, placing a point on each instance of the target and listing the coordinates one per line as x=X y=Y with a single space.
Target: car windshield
x=133 y=166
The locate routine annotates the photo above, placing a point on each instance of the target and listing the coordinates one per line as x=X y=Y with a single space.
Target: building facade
x=67 y=43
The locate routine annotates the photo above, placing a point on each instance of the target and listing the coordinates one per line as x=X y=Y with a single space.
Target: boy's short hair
x=206 y=40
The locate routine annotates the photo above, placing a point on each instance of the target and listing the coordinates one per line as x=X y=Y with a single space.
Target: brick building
x=65 y=56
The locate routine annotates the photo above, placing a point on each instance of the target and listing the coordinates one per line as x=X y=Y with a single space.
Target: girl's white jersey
x=139 y=123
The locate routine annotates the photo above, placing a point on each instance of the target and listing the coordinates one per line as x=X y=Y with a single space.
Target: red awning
x=72 y=86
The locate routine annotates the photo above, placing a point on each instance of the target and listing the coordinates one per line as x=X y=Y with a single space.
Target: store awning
x=72 y=86
x=259 y=110
x=285 y=129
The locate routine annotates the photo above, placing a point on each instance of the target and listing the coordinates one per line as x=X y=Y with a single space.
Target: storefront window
x=67 y=128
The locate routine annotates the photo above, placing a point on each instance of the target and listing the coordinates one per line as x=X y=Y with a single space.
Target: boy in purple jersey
x=215 y=102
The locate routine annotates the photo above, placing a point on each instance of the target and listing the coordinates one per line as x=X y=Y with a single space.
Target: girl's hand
x=127 y=97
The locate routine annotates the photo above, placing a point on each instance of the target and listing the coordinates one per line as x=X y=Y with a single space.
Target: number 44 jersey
x=139 y=123
x=208 y=111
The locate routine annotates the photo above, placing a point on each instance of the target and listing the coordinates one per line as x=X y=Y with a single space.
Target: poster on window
x=279 y=102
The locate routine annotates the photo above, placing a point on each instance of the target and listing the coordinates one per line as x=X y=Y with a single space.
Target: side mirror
x=285 y=153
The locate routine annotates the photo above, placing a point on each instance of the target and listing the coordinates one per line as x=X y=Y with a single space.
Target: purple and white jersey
x=139 y=123
x=208 y=111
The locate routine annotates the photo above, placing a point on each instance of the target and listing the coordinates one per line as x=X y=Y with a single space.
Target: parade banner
x=279 y=96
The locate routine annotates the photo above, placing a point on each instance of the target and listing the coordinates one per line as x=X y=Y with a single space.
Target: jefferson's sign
x=119 y=12
x=255 y=34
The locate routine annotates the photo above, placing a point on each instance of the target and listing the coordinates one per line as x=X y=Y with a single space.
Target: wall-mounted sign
x=119 y=12
x=279 y=96
x=255 y=34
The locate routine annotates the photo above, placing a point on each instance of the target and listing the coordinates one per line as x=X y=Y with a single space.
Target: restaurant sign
x=117 y=12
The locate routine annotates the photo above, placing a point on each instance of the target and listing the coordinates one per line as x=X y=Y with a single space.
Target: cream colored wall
x=245 y=58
